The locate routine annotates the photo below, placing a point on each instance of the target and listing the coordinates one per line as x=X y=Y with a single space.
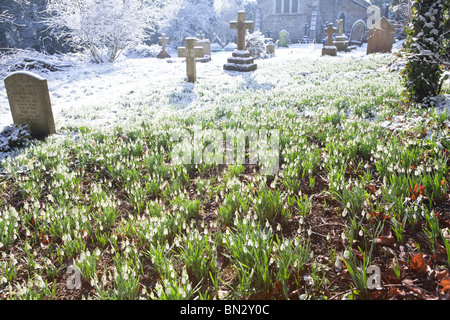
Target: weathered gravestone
x=191 y=52
x=358 y=31
x=329 y=49
x=270 y=48
x=241 y=60
x=206 y=50
x=163 y=54
x=29 y=100
x=381 y=37
x=283 y=39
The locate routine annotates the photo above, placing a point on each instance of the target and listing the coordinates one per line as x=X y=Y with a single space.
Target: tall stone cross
x=330 y=31
x=191 y=52
x=341 y=26
x=241 y=25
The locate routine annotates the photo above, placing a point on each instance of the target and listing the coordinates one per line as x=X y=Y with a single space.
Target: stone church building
x=307 y=17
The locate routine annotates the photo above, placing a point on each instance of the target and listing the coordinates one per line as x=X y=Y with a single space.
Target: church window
x=294 y=6
x=286 y=6
x=278 y=4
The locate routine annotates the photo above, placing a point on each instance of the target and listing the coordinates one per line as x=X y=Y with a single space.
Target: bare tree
x=105 y=28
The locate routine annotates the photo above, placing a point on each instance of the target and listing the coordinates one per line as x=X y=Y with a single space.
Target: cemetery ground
x=362 y=185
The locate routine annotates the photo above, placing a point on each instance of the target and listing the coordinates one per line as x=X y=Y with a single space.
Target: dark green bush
x=425 y=50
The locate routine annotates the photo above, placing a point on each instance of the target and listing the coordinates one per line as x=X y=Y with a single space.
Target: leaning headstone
x=329 y=49
x=29 y=100
x=241 y=60
x=191 y=52
x=381 y=37
x=206 y=49
x=341 y=41
x=163 y=54
x=270 y=48
x=283 y=39
x=358 y=31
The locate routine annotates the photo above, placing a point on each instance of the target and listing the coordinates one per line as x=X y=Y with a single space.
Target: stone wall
x=293 y=23
x=350 y=10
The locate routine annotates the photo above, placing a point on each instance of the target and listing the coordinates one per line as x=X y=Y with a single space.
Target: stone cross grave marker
x=340 y=41
x=163 y=54
x=29 y=100
x=241 y=59
x=329 y=49
x=381 y=37
x=242 y=26
x=191 y=52
x=340 y=27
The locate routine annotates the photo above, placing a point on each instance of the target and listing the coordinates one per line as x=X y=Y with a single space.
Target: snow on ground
x=89 y=87
x=135 y=88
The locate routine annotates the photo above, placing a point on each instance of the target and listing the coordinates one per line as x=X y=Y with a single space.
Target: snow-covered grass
x=360 y=181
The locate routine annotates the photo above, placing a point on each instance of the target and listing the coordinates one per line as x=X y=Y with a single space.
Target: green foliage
x=424 y=50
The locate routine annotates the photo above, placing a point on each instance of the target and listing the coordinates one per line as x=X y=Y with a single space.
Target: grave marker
x=329 y=49
x=358 y=31
x=241 y=59
x=283 y=39
x=191 y=52
x=381 y=37
x=29 y=100
x=241 y=26
x=207 y=50
x=163 y=54
x=340 y=41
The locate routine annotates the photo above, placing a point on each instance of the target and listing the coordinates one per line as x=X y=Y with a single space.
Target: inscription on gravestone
x=29 y=101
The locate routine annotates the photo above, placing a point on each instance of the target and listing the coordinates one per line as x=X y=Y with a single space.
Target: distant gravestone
x=191 y=52
x=163 y=54
x=206 y=50
x=340 y=41
x=271 y=48
x=358 y=31
x=29 y=100
x=283 y=39
x=381 y=37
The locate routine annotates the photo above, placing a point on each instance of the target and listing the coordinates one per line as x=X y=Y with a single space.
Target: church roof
x=364 y=3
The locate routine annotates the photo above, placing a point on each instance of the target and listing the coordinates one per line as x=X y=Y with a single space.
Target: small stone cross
x=191 y=52
x=330 y=31
x=241 y=25
x=163 y=41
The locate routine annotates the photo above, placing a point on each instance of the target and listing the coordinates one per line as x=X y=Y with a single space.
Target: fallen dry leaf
x=418 y=263
x=441 y=274
x=445 y=285
x=387 y=241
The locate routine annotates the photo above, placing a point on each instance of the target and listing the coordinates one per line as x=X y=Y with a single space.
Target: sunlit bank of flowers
x=112 y=204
